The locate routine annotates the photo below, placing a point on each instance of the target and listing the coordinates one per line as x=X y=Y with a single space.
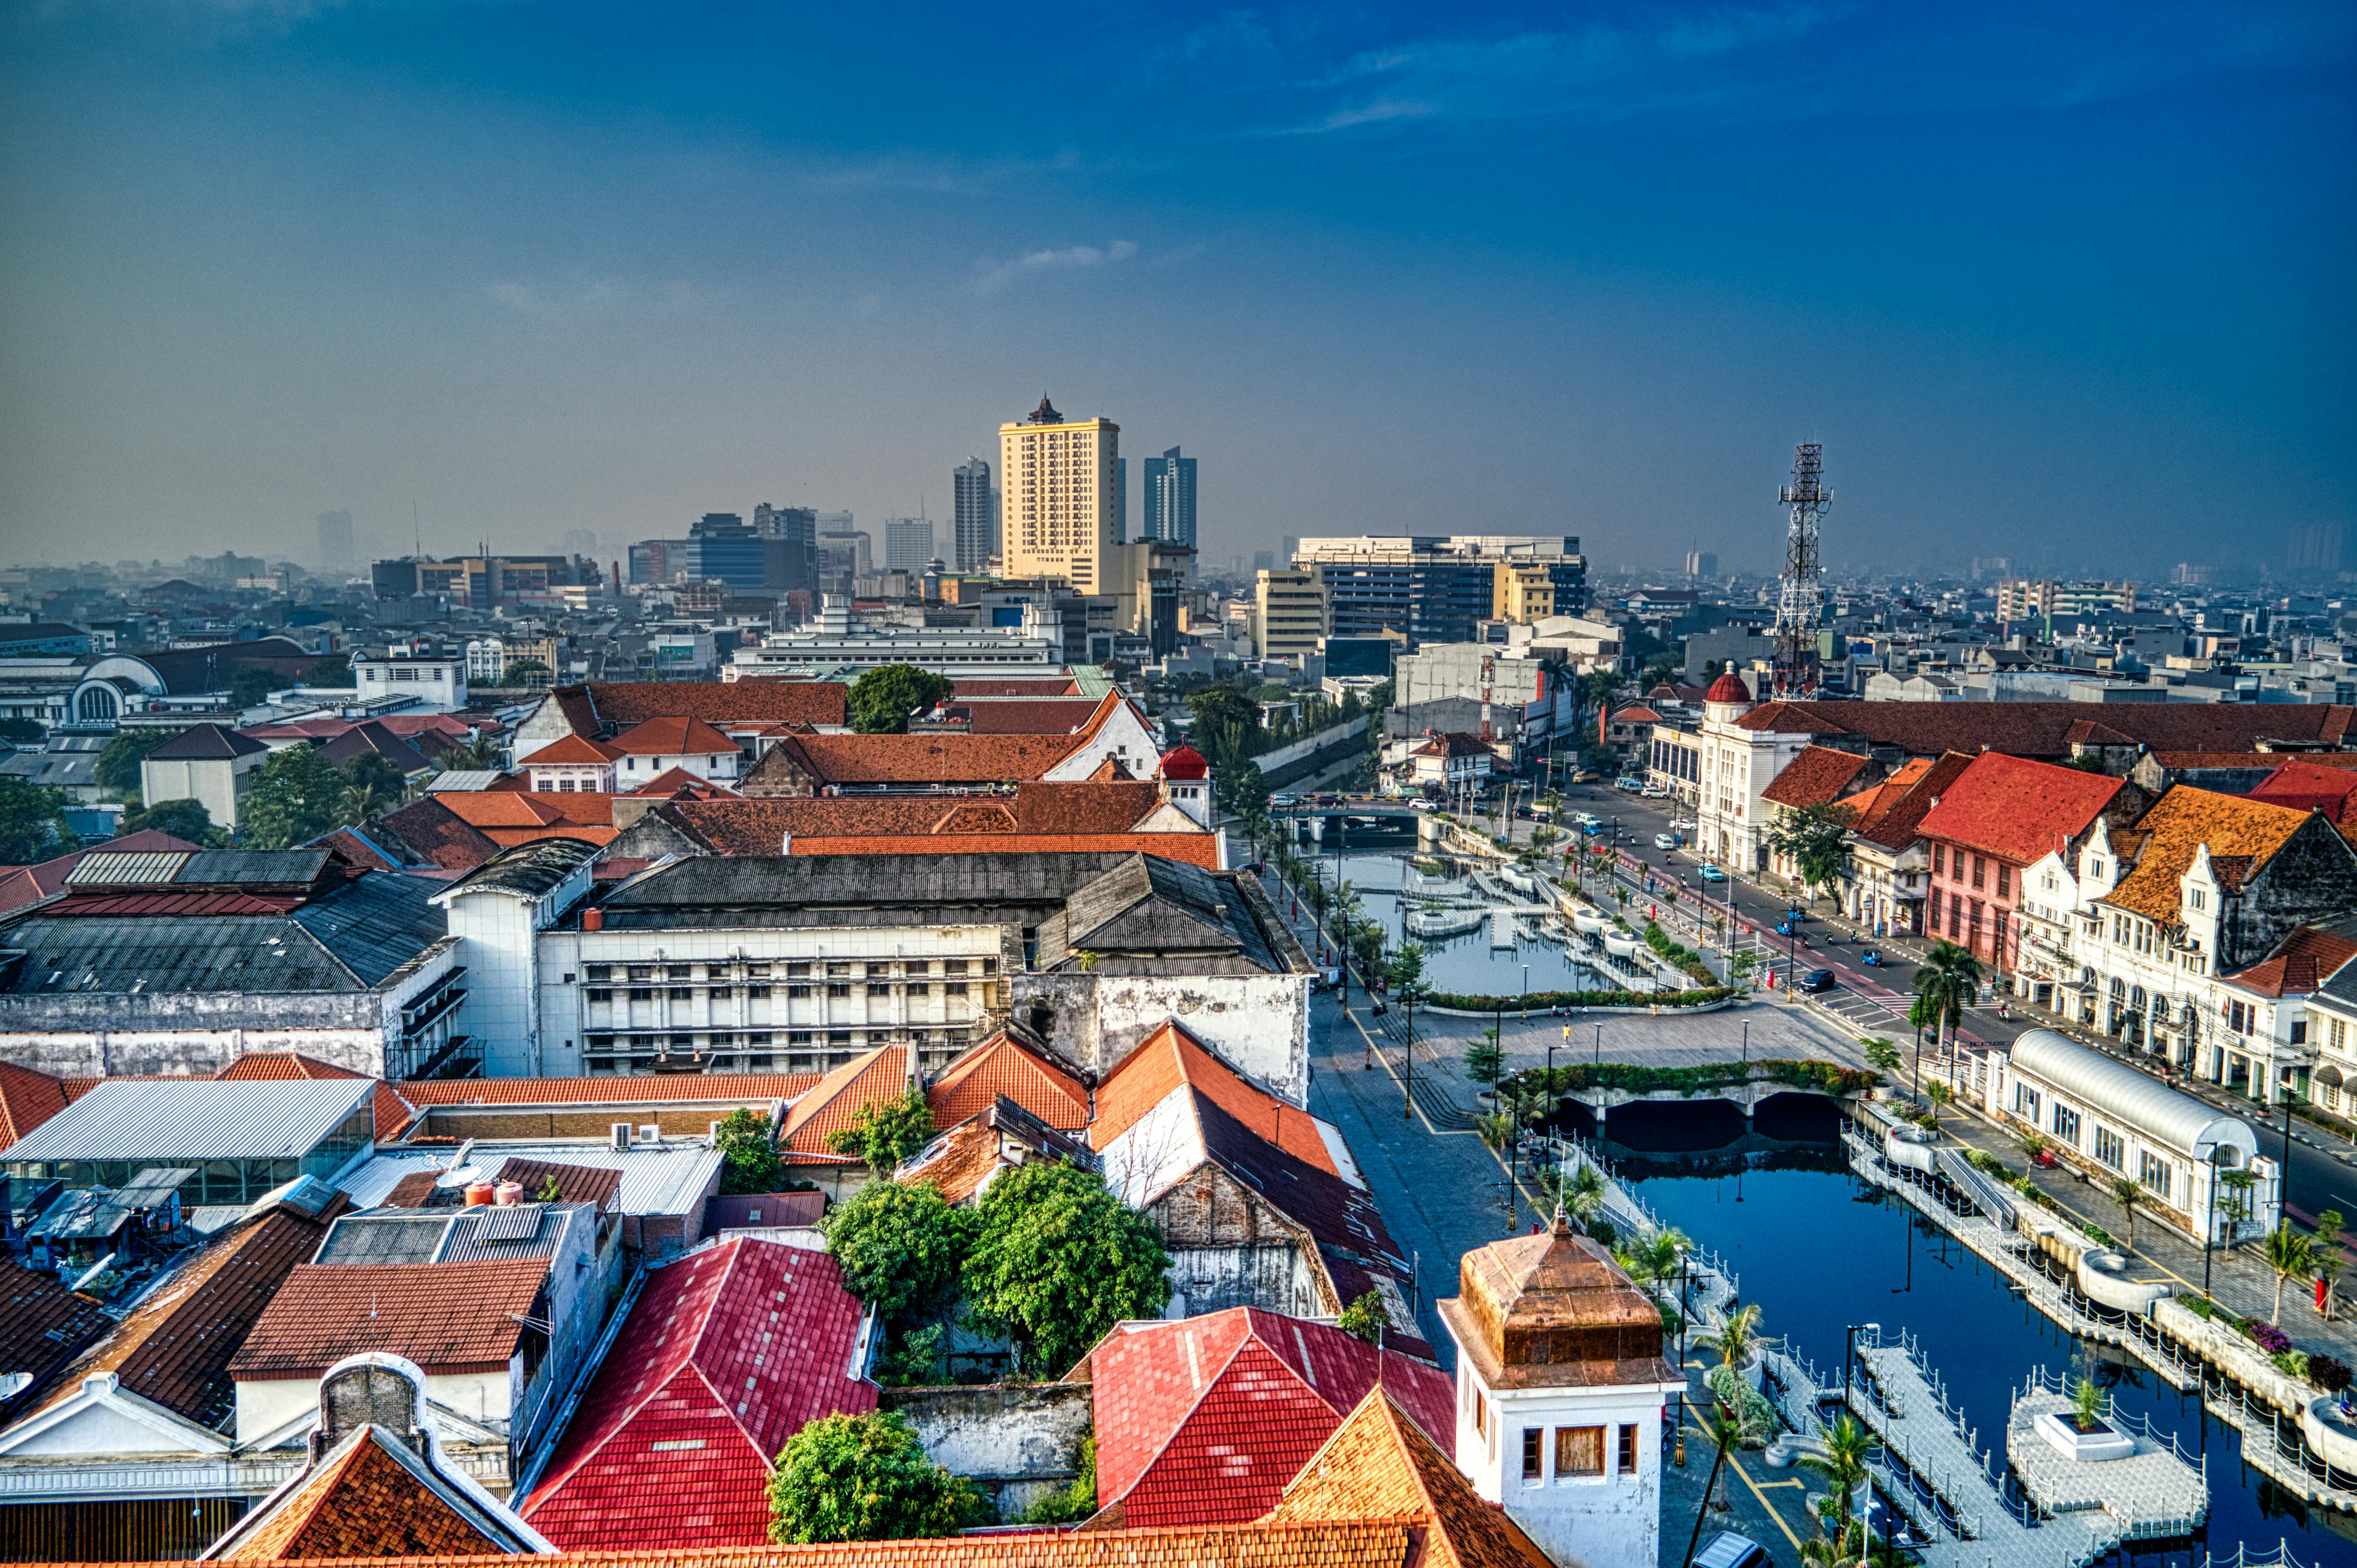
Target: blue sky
x=2067 y=283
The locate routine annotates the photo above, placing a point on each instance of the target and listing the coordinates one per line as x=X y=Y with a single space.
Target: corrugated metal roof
x=665 y=1179
x=119 y=869
x=402 y=1237
x=466 y=779
x=157 y=1122
x=2118 y=1092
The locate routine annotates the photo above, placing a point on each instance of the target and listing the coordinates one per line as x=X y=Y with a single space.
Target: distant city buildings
x=1170 y=497
x=908 y=543
x=1700 y=564
x=336 y=542
x=484 y=582
x=1438 y=588
x=1060 y=488
x=1291 y=614
x=974 y=516
x=2027 y=599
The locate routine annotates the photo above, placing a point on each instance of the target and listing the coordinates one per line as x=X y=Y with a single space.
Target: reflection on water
x=1465 y=964
x=1819 y=1250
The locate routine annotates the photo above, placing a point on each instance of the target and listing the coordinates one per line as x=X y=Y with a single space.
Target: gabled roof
x=184 y=1121
x=2177 y=827
x=669 y=736
x=27 y=1099
x=727 y=1354
x=2047 y=729
x=207 y=743
x=1052 y=715
x=836 y=1100
x=2019 y=810
x=42 y=1327
x=759 y=826
x=1003 y=1064
x=2306 y=786
x=1171 y=1058
x=1206 y=1420
x=1815 y=777
x=370 y=1497
x=1151 y=907
x=1894 y=818
x=573 y=750
x=373 y=739
x=936 y=758
x=617 y=705
x=23 y=885
x=436 y=836
x=1380 y=1463
x=446 y=1317
x=2301 y=962
x=677 y=782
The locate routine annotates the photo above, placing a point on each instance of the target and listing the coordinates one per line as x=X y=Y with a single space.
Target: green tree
x=378 y=778
x=1737 y=1339
x=900 y=1246
x=33 y=823
x=1815 y=839
x=1485 y=1059
x=1223 y=705
x=2328 y=1261
x=525 y=672
x=887 y=1132
x=1730 y=1426
x=335 y=669
x=253 y=685
x=185 y=820
x=117 y=768
x=1381 y=695
x=1074 y=1503
x=749 y=1161
x=22 y=732
x=296 y=796
x=866 y=1478
x=1365 y=1318
x=2127 y=1192
x=885 y=698
x=1059 y=1260
x=1947 y=984
x=2290 y=1255
x=1849 y=1445
x=1241 y=787
x=472 y=755
x=1881 y=1055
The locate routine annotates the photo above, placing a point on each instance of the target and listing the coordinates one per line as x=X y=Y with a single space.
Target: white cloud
x=598 y=300
x=992 y=277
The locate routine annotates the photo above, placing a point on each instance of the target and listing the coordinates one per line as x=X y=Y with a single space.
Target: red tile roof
x=1205 y=1420
x=677 y=780
x=1052 y=715
x=361 y=1501
x=392 y=1112
x=1002 y=1065
x=437 y=836
x=446 y=1317
x=23 y=885
x=42 y=1326
x=935 y=759
x=836 y=1100
x=2046 y=729
x=1171 y=1058
x=2304 y=786
x=1195 y=849
x=617 y=705
x=2019 y=810
x=2301 y=961
x=574 y=1184
x=727 y=1354
x=669 y=737
x=576 y=750
x=1816 y=776
x=971 y=686
x=2175 y=829
x=1893 y=817
x=27 y=1099
x=759 y=826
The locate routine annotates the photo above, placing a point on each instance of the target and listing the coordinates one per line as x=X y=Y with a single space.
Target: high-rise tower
x=974 y=516
x=1058 y=484
x=1799 y=603
x=1170 y=499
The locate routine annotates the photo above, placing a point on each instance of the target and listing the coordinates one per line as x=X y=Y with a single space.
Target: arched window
x=97 y=704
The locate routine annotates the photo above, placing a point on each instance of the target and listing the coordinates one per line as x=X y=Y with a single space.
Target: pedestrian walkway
x=2156 y=1493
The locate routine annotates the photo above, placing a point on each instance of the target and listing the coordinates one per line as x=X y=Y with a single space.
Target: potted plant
x=2080 y=1432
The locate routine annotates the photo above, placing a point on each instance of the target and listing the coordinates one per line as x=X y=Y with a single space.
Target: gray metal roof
x=352 y=938
x=666 y=1178
x=463 y=781
x=162 y=1123
x=939 y=889
x=532 y=869
x=384 y=1238
x=2119 y=1093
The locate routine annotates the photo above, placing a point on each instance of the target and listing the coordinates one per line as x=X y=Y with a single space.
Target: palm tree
x=2288 y=1253
x=354 y=806
x=1950 y=978
x=2126 y=1191
x=1850 y=1444
x=1737 y=1339
x=1582 y=1196
x=1938 y=1094
x=1728 y=1429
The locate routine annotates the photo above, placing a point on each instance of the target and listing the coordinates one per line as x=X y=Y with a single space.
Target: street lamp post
x=1849 y=1351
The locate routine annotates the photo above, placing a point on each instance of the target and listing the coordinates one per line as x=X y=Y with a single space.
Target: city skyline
x=1621 y=260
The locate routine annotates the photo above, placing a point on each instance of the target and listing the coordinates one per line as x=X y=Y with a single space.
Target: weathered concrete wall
x=1274 y=1277
x=94 y=1034
x=1258 y=1024
x=1016 y=1442
x=2312 y=878
x=584 y=1122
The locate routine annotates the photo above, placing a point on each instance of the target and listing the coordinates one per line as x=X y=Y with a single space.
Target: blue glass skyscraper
x=1170 y=499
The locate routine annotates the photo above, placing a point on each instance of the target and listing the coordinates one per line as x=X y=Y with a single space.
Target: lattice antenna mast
x=1800 y=606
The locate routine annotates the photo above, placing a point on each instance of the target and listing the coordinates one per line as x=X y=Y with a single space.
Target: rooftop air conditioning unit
x=650 y=1132
x=621 y=1135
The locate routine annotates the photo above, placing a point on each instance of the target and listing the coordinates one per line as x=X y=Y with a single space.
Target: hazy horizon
x=2066 y=284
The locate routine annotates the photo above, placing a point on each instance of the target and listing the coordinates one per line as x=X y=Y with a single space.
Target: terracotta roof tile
x=957 y=1162
x=574 y=1184
x=42 y=1327
x=1051 y=715
x=576 y=750
x=392 y=1112
x=671 y=735
x=2018 y=809
x=27 y=1099
x=1816 y=776
x=937 y=758
x=675 y=781
x=2179 y=824
x=1002 y=1065
x=2043 y=729
x=1380 y=1463
x=836 y=1100
x=1171 y=1057
x=446 y=1317
x=437 y=836
x=726 y=1355
x=2301 y=962
x=617 y=705
x=1894 y=819
x=362 y=1501
x=2305 y=786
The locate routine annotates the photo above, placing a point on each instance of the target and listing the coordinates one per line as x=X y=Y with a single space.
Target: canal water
x=1818 y=1249
x=1466 y=964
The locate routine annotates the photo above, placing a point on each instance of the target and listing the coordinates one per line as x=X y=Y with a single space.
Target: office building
x=1435 y=588
x=908 y=543
x=336 y=541
x=974 y=516
x=1170 y=497
x=1059 y=480
x=796 y=528
x=1700 y=564
x=1120 y=501
x=1290 y=613
x=482 y=581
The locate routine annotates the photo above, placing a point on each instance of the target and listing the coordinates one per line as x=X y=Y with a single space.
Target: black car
x=1817 y=980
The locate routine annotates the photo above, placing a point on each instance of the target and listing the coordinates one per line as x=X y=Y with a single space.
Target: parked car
x=1711 y=873
x=1630 y=786
x=1656 y=792
x=1282 y=802
x=1683 y=825
x=1665 y=841
x=1421 y=804
x=1728 y=1550
x=1817 y=980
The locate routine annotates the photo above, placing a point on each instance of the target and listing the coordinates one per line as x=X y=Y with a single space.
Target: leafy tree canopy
x=33 y=823
x=900 y=1246
x=185 y=820
x=1061 y=1261
x=885 y=698
x=481 y=752
x=525 y=672
x=253 y=684
x=1485 y=1060
x=1365 y=1318
x=296 y=796
x=1220 y=706
x=335 y=669
x=866 y=1478
x=117 y=768
x=1383 y=694
x=1814 y=838
x=887 y=1132
x=380 y=779
x=22 y=732
x=748 y=1159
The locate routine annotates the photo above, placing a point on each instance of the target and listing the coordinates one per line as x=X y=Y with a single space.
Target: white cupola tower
x=1186 y=783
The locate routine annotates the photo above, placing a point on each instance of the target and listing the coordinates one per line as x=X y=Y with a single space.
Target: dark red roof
x=2019 y=810
x=1898 y=808
x=727 y=1354
x=1204 y=1420
x=2305 y=787
x=1186 y=762
x=1055 y=715
x=1818 y=776
x=2301 y=961
x=42 y=1326
x=1727 y=688
x=617 y=705
x=2050 y=729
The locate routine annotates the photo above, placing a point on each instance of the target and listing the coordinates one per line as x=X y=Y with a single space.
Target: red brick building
x=2002 y=815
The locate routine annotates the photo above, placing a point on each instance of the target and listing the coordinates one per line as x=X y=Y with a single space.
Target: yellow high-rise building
x=1059 y=498
x=1522 y=591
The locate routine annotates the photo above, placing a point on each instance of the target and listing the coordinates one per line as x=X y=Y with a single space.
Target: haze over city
x=2045 y=280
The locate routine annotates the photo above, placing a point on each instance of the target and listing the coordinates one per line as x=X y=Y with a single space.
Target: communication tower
x=1800 y=606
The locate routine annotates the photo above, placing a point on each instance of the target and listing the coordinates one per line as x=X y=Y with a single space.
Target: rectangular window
x=1534 y=1453
x=1579 y=1452
x=2004 y=880
x=2109 y=1148
x=2066 y=1125
x=1979 y=868
x=2337 y=1034
x=2299 y=1033
x=2156 y=1174
x=1938 y=859
x=1628 y=1448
